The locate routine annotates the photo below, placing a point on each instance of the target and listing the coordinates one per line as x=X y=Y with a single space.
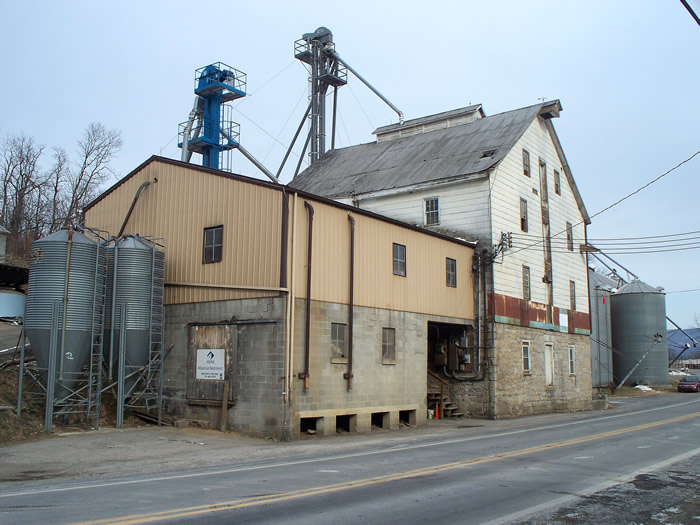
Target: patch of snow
x=645 y=388
x=676 y=373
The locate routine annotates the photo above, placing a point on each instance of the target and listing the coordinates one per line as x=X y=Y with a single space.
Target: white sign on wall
x=210 y=363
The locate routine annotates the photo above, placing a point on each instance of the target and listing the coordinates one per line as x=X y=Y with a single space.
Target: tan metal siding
x=179 y=206
x=424 y=288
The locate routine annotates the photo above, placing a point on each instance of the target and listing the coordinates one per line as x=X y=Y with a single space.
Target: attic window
x=488 y=153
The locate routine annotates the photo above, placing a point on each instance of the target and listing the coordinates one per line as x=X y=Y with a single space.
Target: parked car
x=689 y=384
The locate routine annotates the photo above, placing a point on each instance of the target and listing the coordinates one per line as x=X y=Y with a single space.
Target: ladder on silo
x=94 y=395
x=150 y=395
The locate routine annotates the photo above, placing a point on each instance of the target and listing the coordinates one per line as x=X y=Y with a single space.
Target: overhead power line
x=613 y=204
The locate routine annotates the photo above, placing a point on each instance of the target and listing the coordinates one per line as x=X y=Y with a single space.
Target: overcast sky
x=627 y=74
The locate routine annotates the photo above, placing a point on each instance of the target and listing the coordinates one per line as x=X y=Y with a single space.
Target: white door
x=549 y=363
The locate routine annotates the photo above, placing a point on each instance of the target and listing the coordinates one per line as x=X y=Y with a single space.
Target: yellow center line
x=303 y=493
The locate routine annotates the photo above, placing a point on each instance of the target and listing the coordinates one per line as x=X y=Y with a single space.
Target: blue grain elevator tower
x=210 y=129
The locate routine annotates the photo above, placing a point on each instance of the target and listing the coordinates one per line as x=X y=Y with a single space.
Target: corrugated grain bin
x=135 y=276
x=599 y=289
x=64 y=267
x=638 y=314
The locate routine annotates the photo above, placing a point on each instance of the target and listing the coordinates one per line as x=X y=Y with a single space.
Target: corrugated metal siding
x=423 y=290
x=179 y=206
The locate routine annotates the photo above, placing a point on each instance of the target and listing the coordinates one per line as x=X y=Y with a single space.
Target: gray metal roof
x=433 y=156
x=430 y=118
x=637 y=286
x=598 y=280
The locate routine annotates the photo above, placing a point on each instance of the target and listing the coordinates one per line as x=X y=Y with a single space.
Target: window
x=569 y=237
x=338 y=344
x=451 y=270
x=432 y=211
x=572 y=293
x=399 y=260
x=388 y=345
x=572 y=361
x=526 y=163
x=526 y=356
x=213 y=238
x=523 y=215
x=527 y=294
x=557 y=183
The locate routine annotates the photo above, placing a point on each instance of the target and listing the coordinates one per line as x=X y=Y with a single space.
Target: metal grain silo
x=135 y=275
x=638 y=315
x=599 y=290
x=66 y=283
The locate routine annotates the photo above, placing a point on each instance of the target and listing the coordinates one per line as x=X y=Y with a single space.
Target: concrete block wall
x=259 y=409
x=518 y=393
x=377 y=387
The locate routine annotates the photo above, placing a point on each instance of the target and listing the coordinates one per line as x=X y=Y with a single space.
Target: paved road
x=473 y=472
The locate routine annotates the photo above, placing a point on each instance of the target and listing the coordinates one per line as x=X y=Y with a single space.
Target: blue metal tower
x=209 y=129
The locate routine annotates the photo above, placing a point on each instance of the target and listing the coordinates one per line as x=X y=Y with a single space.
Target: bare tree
x=96 y=149
x=21 y=183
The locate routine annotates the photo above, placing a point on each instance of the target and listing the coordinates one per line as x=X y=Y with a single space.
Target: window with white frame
x=523 y=214
x=432 y=211
x=388 y=345
x=451 y=272
x=399 y=259
x=338 y=340
x=526 y=356
x=527 y=292
x=526 y=163
x=572 y=360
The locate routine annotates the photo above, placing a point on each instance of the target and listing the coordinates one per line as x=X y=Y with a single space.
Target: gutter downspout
x=305 y=374
x=351 y=301
x=292 y=299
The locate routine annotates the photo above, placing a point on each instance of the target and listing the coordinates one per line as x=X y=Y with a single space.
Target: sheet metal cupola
x=638 y=313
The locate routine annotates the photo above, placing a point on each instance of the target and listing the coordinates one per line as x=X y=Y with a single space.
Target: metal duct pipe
x=371 y=87
x=305 y=374
x=131 y=208
x=351 y=301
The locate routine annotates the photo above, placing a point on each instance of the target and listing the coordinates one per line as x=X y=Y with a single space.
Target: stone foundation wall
x=519 y=393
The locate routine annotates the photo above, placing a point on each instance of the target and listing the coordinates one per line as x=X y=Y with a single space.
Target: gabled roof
x=458 y=151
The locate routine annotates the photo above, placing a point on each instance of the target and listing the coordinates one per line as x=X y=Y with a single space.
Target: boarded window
x=526 y=356
x=432 y=211
x=572 y=294
x=213 y=240
x=399 y=260
x=527 y=293
x=526 y=163
x=572 y=360
x=388 y=345
x=557 y=183
x=451 y=272
x=211 y=360
x=569 y=237
x=523 y=215
x=338 y=340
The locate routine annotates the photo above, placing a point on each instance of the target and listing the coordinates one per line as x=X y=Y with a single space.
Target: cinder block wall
x=518 y=393
x=376 y=386
x=259 y=410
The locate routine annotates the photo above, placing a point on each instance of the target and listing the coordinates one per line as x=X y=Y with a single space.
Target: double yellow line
x=296 y=494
